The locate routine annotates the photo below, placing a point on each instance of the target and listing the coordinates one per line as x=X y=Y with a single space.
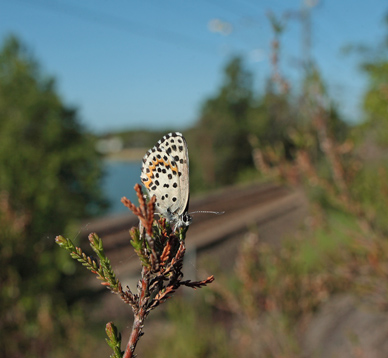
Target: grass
x=324 y=242
x=189 y=331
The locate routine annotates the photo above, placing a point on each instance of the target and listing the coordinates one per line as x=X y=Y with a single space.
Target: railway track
x=274 y=209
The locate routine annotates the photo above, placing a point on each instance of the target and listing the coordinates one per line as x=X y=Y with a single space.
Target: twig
x=161 y=252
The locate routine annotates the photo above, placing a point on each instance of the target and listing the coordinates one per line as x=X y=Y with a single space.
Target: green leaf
x=114 y=340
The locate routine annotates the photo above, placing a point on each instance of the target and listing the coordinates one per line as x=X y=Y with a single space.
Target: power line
x=122 y=24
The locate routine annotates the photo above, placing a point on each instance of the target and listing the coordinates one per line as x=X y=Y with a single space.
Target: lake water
x=120 y=178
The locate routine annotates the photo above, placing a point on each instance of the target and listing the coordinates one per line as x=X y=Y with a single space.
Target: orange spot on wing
x=152 y=169
x=147 y=183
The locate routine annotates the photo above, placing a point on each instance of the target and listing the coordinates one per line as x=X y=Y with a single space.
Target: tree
x=222 y=129
x=374 y=130
x=49 y=176
x=375 y=99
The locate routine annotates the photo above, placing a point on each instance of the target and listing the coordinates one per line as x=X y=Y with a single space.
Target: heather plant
x=342 y=247
x=275 y=291
x=161 y=252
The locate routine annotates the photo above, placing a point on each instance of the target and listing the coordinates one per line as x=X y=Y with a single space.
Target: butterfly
x=165 y=174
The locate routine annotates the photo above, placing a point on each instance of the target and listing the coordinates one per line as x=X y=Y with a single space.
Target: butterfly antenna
x=208 y=212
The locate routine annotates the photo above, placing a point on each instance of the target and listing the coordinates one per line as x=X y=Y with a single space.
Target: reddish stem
x=137 y=328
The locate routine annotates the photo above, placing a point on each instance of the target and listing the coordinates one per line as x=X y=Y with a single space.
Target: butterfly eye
x=186 y=218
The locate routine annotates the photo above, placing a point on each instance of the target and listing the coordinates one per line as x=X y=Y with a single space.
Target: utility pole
x=305 y=18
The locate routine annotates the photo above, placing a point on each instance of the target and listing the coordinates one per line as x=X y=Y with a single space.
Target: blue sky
x=150 y=64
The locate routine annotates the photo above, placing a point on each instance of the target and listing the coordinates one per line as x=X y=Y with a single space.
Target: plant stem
x=137 y=328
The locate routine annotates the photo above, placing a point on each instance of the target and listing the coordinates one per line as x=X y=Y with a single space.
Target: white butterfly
x=165 y=174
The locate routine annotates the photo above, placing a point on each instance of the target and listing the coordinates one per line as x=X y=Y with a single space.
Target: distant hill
x=130 y=145
x=137 y=138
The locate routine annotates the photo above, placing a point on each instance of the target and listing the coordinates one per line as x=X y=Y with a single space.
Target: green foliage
x=45 y=154
x=190 y=332
x=315 y=95
x=114 y=340
x=138 y=244
x=376 y=98
x=324 y=245
x=236 y=121
x=273 y=117
x=49 y=176
x=103 y=269
x=222 y=130
x=370 y=187
x=375 y=67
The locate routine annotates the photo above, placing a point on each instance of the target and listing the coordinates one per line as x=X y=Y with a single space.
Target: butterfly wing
x=165 y=174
